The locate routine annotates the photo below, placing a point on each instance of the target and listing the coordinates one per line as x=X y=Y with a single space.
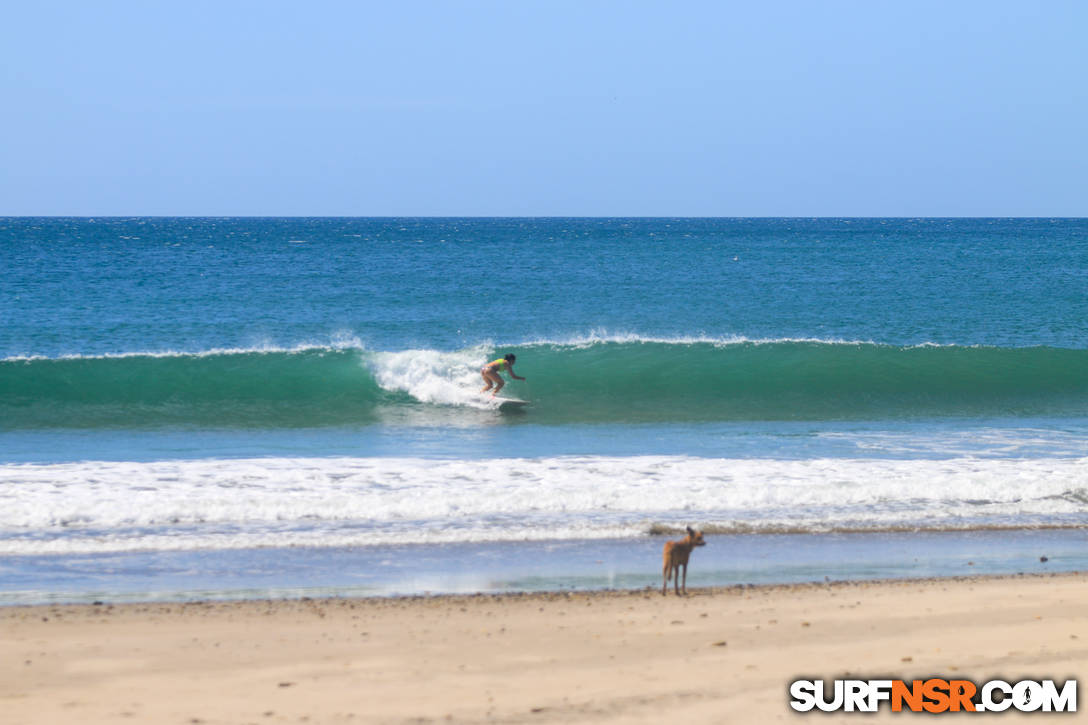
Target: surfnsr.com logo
x=935 y=695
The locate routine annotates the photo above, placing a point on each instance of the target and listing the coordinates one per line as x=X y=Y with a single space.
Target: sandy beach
x=718 y=655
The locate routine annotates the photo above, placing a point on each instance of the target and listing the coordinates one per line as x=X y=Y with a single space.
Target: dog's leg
x=685 y=580
x=665 y=578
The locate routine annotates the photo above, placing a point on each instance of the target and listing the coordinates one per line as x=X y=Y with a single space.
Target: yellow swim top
x=496 y=363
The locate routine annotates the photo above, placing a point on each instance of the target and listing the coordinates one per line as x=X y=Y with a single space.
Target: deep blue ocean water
x=217 y=388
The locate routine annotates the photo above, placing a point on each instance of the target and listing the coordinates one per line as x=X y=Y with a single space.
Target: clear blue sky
x=762 y=108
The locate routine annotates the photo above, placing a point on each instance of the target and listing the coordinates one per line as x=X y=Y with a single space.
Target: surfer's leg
x=491 y=379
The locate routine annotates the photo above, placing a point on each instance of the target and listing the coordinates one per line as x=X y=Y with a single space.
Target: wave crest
x=587 y=380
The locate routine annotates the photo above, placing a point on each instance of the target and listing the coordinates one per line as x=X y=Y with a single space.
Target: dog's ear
x=691 y=531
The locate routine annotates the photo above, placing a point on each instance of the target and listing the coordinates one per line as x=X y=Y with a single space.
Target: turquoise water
x=633 y=381
x=239 y=385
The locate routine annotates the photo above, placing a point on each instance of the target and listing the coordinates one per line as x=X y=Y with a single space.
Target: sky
x=554 y=108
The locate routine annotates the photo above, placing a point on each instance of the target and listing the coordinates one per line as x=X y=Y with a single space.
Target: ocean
x=238 y=407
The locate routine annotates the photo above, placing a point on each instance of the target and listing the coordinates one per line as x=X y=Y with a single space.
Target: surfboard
x=510 y=403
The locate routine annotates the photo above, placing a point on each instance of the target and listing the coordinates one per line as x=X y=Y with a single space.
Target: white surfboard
x=510 y=403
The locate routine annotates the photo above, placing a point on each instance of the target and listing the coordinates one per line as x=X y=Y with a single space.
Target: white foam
x=602 y=336
x=116 y=506
x=336 y=343
x=431 y=376
x=347 y=341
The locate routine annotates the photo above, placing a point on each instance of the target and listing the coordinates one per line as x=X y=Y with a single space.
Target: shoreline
x=552 y=594
x=493 y=567
x=632 y=655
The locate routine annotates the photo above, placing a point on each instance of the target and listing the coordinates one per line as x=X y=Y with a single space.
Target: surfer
x=491 y=373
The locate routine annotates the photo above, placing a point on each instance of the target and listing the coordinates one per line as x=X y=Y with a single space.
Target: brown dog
x=676 y=555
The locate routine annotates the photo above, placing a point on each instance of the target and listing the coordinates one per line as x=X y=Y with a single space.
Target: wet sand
x=718 y=655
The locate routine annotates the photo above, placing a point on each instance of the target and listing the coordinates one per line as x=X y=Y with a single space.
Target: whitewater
x=215 y=504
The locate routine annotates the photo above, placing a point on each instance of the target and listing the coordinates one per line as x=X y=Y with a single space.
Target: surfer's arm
x=510 y=369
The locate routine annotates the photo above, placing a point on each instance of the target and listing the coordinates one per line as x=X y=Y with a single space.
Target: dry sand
x=719 y=655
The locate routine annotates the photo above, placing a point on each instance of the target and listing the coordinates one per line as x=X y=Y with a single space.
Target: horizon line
x=541 y=216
